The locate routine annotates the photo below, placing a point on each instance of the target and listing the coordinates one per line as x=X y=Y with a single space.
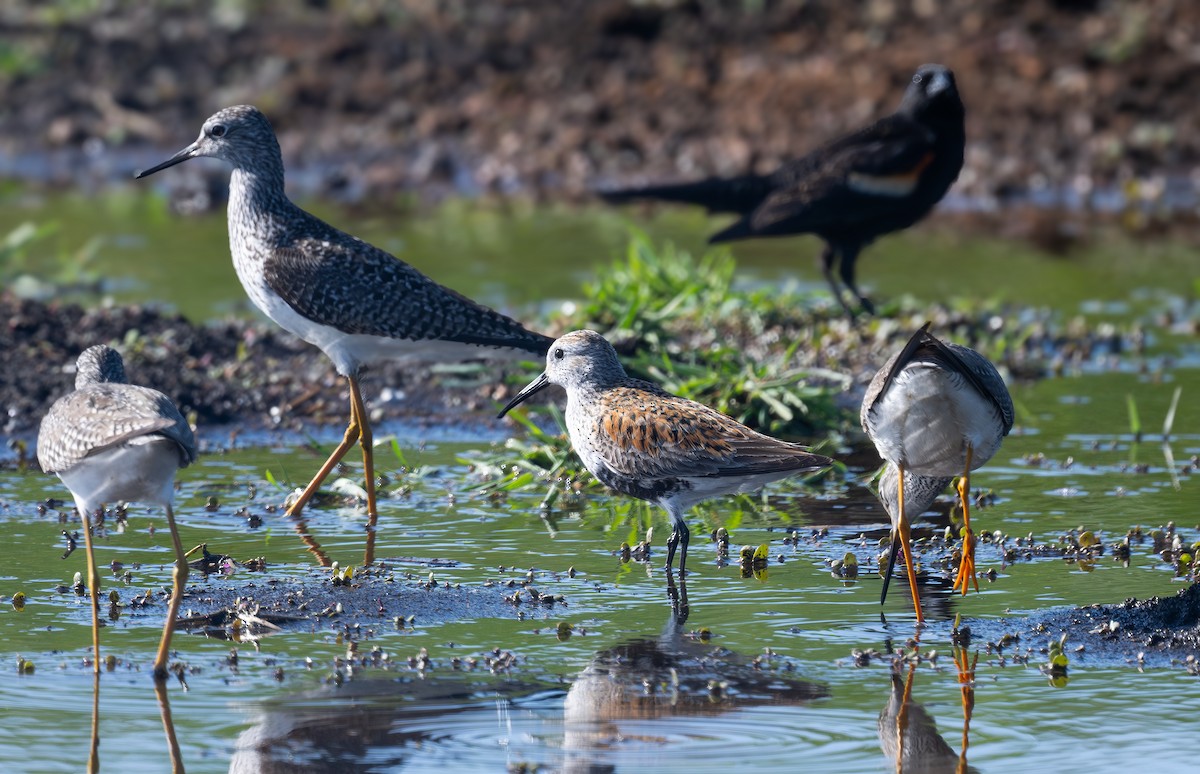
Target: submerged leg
x=353 y=433
x=93 y=576
x=178 y=579
x=966 y=568
x=358 y=415
x=905 y=533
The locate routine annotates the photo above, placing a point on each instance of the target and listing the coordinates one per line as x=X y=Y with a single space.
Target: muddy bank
x=1069 y=102
x=1158 y=630
x=223 y=373
x=253 y=375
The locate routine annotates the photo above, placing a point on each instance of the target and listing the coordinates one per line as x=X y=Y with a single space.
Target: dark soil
x=227 y=373
x=1128 y=632
x=1071 y=97
x=234 y=375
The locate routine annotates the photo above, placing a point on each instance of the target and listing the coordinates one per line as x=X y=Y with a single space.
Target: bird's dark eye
x=917 y=78
x=217 y=130
x=559 y=354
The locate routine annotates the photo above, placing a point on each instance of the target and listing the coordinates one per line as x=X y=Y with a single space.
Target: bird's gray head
x=932 y=90
x=579 y=358
x=99 y=364
x=241 y=135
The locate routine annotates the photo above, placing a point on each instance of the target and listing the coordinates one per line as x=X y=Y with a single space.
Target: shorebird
x=642 y=441
x=110 y=441
x=935 y=410
x=882 y=178
x=355 y=302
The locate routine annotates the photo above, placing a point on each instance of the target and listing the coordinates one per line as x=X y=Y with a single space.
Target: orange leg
x=178 y=580
x=906 y=542
x=93 y=576
x=353 y=433
x=966 y=569
x=358 y=413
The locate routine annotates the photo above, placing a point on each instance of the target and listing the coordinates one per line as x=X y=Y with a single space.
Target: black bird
x=879 y=179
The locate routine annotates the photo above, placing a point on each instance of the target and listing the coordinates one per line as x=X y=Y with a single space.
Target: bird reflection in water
x=908 y=734
x=658 y=678
x=164 y=708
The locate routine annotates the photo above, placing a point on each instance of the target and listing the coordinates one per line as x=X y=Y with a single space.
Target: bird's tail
x=718 y=194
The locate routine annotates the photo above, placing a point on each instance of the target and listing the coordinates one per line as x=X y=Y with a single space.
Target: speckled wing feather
x=647 y=433
x=843 y=183
x=349 y=284
x=101 y=416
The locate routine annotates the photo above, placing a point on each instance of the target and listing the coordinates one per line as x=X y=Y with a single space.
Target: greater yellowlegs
x=110 y=442
x=882 y=178
x=642 y=441
x=355 y=302
x=936 y=410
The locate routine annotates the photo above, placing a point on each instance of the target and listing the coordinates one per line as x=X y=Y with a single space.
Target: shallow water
x=385 y=719
x=549 y=709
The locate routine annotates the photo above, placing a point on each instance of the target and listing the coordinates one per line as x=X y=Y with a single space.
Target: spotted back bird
x=936 y=410
x=354 y=301
x=882 y=178
x=109 y=442
x=642 y=441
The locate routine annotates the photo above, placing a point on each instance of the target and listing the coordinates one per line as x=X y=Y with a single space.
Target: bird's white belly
x=350 y=351
x=929 y=417
x=141 y=470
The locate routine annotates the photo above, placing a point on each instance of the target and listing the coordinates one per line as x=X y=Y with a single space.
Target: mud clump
x=219 y=374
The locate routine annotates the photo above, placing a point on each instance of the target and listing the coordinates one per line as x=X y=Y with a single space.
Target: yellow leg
x=906 y=543
x=164 y=708
x=178 y=579
x=358 y=414
x=93 y=576
x=966 y=569
x=353 y=433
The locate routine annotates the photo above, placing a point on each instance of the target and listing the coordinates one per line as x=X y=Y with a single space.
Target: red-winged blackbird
x=879 y=179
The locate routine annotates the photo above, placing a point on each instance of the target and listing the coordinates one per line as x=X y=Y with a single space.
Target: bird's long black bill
x=178 y=158
x=891 y=565
x=533 y=387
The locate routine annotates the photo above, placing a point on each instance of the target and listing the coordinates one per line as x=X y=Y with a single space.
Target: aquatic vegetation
x=680 y=320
